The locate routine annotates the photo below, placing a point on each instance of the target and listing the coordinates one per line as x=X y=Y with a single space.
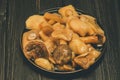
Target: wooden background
x=13 y=14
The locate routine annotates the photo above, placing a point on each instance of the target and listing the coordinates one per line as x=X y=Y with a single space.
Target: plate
x=100 y=48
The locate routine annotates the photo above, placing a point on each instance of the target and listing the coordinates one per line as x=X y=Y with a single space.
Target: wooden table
x=13 y=14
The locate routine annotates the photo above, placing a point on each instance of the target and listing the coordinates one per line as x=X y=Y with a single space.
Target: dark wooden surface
x=13 y=14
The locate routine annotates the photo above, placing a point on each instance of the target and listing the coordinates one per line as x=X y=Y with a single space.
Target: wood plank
x=48 y=4
x=2 y=51
x=3 y=5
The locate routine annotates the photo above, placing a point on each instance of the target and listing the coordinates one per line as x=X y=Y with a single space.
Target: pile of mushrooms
x=62 y=41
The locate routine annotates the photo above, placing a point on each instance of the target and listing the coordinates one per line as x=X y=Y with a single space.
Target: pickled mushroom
x=68 y=11
x=90 y=39
x=44 y=63
x=64 y=34
x=31 y=35
x=65 y=68
x=54 y=17
x=62 y=54
x=50 y=45
x=58 y=26
x=35 y=22
x=86 y=61
x=35 y=49
x=79 y=27
x=77 y=45
x=43 y=36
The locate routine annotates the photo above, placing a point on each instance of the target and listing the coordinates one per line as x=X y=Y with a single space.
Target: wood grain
x=3 y=6
x=13 y=14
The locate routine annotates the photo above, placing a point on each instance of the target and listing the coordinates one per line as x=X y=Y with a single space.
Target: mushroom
x=77 y=45
x=35 y=49
x=48 y=41
x=90 y=39
x=65 y=68
x=82 y=61
x=44 y=63
x=79 y=26
x=86 y=61
x=51 y=22
x=55 y=17
x=43 y=36
x=64 y=34
x=93 y=52
x=50 y=45
x=58 y=26
x=28 y=38
x=31 y=35
x=94 y=27
x=63 y=42
x=35 y=22
x=92 y=21
x=68 y=11
x=89 y=18
x=62 y=54
x=47 y=30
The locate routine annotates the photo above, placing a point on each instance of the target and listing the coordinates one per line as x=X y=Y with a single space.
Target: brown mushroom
x=35 y=49
x=62 y=54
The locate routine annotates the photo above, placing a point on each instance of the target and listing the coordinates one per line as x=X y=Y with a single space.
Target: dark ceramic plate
x=100 y=48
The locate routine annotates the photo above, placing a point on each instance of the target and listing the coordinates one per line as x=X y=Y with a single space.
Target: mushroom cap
x=35 y=22
x=35 y=49
x=62 y=54
x=44 y=63
x=64 y=34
